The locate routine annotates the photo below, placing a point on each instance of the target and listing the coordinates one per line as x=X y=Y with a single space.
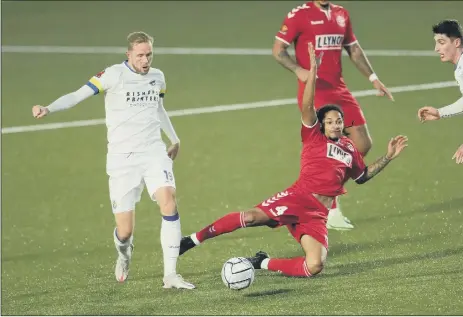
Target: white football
x=237 y=273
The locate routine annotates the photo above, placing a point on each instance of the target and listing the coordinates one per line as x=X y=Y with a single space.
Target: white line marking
x=185 y=50
x=221 y=108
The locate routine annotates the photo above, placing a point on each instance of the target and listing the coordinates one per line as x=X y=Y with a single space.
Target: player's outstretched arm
x=454 y=109
x=309 y=116
x=395 y=147
x=430 y=113
x=64 y=102
x=360 y=60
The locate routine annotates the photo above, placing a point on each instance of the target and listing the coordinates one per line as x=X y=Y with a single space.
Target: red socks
x=290 y=267
x=234 y=221
x=226 y=224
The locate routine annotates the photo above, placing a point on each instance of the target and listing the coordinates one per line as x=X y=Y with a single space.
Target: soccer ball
x=237 y=273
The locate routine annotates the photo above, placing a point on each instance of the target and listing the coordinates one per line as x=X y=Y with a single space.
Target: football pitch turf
x=404 y=256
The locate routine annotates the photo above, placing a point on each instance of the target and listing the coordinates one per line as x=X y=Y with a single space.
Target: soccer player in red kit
x=329 y=27
x=328 y=158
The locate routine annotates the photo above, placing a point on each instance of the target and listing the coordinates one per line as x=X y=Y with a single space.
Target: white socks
x=195 y=239
x=264 y=264
x=171 y=234
x=123 y=247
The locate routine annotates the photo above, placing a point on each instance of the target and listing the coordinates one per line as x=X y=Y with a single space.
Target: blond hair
x=138 y=37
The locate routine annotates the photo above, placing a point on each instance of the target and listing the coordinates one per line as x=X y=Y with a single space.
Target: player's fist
x=458 y=156
x=395 y=146
x=428 y=114
x=39 y=111
x=172 y=152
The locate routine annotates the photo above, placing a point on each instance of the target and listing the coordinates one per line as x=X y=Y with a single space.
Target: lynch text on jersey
x=335 y=152
x=329 y=41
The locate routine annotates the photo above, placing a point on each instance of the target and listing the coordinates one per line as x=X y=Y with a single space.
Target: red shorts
x=300 y=214
x=341 y=96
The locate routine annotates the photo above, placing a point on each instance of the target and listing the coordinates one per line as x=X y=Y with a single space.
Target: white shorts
x=128 y=173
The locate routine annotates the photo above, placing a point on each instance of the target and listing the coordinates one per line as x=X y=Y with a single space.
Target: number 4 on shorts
x=279 y=210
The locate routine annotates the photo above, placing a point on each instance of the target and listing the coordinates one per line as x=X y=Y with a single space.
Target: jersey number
x=168 y=175
x=279 y=210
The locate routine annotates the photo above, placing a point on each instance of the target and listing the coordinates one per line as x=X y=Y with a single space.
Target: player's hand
x=428 y=114
x=314 y=60
x=302 y=74
x=382 y=90
x=39 y=111
x=395 y=146
x=458 y=156
x=172 y=152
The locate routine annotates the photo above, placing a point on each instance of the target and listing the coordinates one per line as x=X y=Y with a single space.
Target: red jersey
x=325 y=164
x=329 y=31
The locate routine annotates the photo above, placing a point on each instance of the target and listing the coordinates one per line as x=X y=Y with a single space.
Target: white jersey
x=457 y=107
x=459 y=73
x=132 y=101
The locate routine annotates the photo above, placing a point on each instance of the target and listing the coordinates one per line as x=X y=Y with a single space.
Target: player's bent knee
x=168 y=208
x=249 y=218
x=314 y=267
x=255 y=217
x=166 y=199
x=124 y=233
x=315 y=254
x=125 y=224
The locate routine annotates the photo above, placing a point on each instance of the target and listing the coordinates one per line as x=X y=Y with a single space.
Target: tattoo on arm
x=285 y=59
x=373 y=169
x=360 y=60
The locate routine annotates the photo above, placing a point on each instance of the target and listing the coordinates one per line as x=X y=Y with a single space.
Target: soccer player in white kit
x=137 y=156
x=448 y=35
